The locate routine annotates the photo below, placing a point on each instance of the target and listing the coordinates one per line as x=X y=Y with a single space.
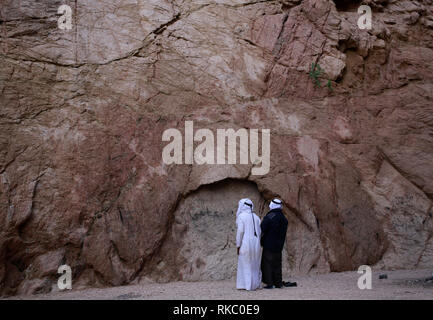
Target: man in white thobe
x=249 y=275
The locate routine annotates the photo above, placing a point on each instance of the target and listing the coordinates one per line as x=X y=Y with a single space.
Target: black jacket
x=274 y=228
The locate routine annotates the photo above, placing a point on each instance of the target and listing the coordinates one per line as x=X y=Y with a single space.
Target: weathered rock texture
x=82 y=113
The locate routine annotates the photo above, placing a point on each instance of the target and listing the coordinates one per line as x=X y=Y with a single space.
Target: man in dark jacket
x=274 y=228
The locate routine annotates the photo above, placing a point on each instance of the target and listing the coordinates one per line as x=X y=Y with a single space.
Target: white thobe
x=249 y=275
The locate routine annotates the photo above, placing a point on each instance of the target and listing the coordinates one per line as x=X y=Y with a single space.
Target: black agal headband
x=254 y=225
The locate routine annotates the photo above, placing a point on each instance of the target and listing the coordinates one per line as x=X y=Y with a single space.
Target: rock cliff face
x=82 y=112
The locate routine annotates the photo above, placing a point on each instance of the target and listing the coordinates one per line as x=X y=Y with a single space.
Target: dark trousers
x=271 y=268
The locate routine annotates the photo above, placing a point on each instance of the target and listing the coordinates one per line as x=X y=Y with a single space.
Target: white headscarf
x=245 y=205
x=275 y=204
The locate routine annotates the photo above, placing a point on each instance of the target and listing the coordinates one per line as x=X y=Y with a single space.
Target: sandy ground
x=401 y=284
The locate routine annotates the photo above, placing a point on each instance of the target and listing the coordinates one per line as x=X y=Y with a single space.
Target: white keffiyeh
x=275 y=204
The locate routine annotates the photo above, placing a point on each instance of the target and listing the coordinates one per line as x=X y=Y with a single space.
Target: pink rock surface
x=82 y=112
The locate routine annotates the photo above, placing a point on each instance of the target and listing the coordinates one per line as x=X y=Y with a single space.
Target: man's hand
x=238 y=250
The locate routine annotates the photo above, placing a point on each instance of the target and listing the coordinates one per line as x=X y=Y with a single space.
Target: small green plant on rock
x=329 y=85
x=315 y=73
